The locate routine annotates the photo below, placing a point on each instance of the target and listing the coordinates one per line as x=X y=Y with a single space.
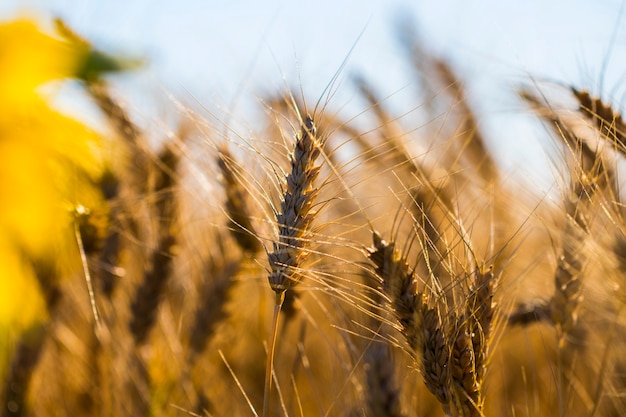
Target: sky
x=217 y=52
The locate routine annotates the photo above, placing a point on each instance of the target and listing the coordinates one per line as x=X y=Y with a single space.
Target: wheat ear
x=150 y=291
x=295 y=216
x=399 y=284
x=108 y=275
x=121 y=188
x=569 y=271
x=294 y=221
x=467 y=396
x=474 y=146
x=608 y=121
x=421 y=325
x=217 y=283
x=382 y=393
x=470 y=348
x=568 y=281
x=30 y=347
x=241 y=227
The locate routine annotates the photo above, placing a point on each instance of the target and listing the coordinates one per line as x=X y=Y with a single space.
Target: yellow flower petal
x=29 y=58
x=21 y=303
x=48 y=163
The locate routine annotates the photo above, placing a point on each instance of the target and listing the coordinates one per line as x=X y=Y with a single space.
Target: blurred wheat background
x=406 y=224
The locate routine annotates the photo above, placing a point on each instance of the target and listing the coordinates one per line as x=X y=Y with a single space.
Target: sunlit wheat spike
x=463 y=370
x=135 y=173
x=238 y=213
x=436 y=356
x=398 y=282
x=294 y=221
x=591 y=169
x=474 y=146
x=568 y=280
x=435 y=75
x=607 y=120
x=295 y=216
x=568 y=275
x=149 y=293
x=382 y=394
x=470 y=341
x=116 y=114
x=393 y=150
x=588 y=174
x=28 y=352
x=481 y=309
x=214 y=294
x=420 y=324
x=108 y=275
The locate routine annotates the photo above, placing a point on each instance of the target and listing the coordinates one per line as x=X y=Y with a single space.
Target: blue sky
x=217 y=43
x=217 y=50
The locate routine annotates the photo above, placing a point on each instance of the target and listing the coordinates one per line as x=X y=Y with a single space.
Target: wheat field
x=317 y=265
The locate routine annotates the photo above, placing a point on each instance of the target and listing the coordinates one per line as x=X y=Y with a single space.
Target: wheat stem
x=280 y=297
